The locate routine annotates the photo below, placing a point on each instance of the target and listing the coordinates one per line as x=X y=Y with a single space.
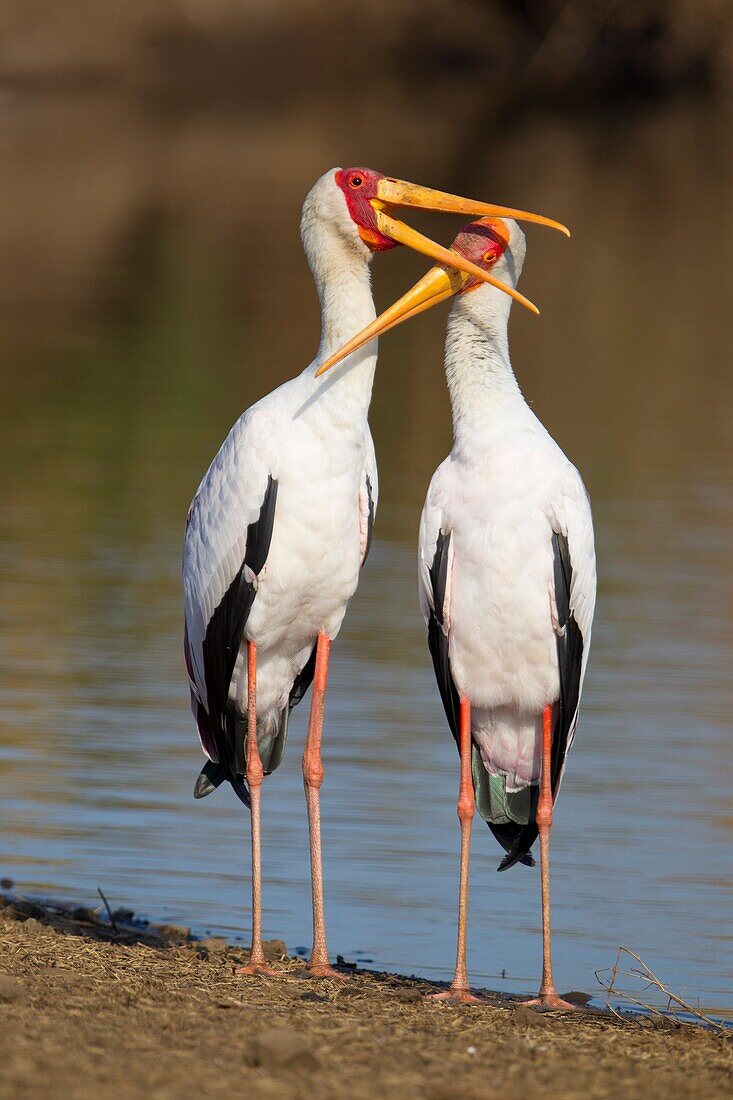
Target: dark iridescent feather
x=437 y=639
x=224 y=635
x=225 y=726
x=518 y=839
x=438 y=646
x=370 y=520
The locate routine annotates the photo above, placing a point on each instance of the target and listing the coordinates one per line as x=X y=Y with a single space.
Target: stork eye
x=356 y=181
x=488 y=257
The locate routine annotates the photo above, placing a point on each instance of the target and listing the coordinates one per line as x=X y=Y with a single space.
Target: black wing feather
x=570 y=661
x=303 y=680
x=569 y=656
x=225 y=631
x=439 y=651
x=370 y=522
x=437 y=640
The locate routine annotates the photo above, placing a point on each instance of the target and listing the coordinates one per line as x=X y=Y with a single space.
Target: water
x=131 y=346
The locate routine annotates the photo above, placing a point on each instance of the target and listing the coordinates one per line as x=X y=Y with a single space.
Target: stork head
x=489 y=251
x=356 y=206
x=496 y=245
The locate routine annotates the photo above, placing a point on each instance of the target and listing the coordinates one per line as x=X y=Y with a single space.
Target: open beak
x=453 y=272
x=391 y=192
x=405 y=234
x=439 y=283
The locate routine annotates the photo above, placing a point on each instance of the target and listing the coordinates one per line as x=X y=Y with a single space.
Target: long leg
x=459 y=989
x=312 y=779
x=255 y=775
x=548 y=993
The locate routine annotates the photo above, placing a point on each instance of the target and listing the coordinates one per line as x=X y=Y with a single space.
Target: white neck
x=341 y=275
x=485 y=396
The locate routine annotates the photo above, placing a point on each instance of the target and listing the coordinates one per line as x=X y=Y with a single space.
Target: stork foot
x=457 y=996
x=550 y=1000
x=257 y=968
x=325 y=970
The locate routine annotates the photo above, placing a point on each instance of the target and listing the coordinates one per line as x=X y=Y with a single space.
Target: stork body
x=507 y=585
x=312 y=532
x=506 y=572
x=282 y=522
x=272 y=553
x=503 y=514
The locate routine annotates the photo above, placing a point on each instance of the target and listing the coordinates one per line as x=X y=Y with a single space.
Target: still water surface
x=109 y=422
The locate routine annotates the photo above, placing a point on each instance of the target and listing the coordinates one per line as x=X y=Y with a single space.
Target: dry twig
x=652 y=982
x=106 y=906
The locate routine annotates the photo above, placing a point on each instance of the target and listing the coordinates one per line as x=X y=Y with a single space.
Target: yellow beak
x=391 y=192
x=405 y=234
x=439 y=283
x=453 y=271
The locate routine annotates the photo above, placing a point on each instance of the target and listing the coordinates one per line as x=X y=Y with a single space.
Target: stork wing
x=434 y=581
x=228 y=534
x=572 y=603
x=368 y=496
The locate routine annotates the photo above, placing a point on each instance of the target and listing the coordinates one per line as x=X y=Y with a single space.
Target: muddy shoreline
x=90 y=1009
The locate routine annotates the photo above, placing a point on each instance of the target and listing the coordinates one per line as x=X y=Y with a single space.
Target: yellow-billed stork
x=507 y=575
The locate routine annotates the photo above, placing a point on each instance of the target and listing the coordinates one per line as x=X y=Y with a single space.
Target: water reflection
x=135 y=336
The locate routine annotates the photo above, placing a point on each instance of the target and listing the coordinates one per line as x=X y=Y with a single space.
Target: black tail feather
x=211 y=776
x=516 y=840
x=241 y=791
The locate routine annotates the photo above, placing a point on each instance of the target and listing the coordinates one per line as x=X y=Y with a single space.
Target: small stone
x=6 y=884
x=10 y=989
x=525 y=1017
x=275 y=950
x=664 y=1023
x=175 y=933
x=123 y=915
x=315 y=998
x=215 y=945
x=471 y=1050
x=282 y=1048
x=575 y=997
x=26 y=908
x=409 y=996
x=84 y=914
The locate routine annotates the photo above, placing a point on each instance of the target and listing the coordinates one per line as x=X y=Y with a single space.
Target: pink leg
x=318 y=963
x=548 y=993
x=459 y=990
x=255 y=775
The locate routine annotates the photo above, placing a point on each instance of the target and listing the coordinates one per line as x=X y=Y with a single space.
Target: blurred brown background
x=163 y=149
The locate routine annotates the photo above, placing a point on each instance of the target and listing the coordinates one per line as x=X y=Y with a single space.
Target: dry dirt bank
x=90 y=1012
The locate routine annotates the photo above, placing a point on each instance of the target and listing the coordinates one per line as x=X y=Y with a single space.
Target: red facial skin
x=359 y=185
x=483 y=243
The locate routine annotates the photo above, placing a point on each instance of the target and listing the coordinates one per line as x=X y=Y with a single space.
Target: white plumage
x=503 y=491
x=313 y=565
x=275 y=538
x=507 y=583
x=311 y=436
